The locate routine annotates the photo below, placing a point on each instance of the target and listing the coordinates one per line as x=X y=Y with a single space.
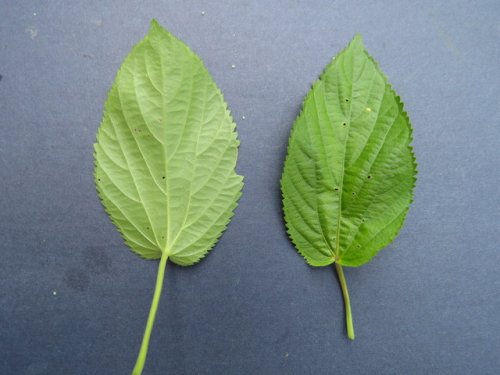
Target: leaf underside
x=350 y=171
x=166 y=152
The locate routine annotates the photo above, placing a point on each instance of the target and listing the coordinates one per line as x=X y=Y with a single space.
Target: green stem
x=347 y=301
x=143 y=352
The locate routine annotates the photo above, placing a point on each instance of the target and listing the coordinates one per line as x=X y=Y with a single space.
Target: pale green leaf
x=165 y=157
x=166 y=152
x=350 y=171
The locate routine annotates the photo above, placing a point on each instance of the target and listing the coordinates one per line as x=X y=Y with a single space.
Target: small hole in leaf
x=344 y=123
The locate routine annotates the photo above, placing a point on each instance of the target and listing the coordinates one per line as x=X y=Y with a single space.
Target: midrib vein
x=193 y=168
x=169 y=243
x=164 y=120
x=337 y=239
x=315 y=186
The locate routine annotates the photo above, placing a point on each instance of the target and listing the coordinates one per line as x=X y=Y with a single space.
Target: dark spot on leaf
x=344 y=123
x=147 y=228
x=369 y=177
x=336 y=189
x=163 y=177
x=346 y=100
x=353 y=194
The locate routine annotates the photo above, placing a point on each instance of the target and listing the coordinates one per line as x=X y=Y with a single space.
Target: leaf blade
x=349 y=157
x=166 y=152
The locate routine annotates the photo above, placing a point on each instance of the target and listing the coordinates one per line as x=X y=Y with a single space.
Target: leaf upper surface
x=350 y=170
x=166 y=152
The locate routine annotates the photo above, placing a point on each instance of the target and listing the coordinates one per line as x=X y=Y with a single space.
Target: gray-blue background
x=74 y=300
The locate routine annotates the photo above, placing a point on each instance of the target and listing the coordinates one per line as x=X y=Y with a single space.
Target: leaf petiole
x=143 y=352
x=347 y=301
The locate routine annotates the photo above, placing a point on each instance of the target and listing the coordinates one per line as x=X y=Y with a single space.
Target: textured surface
x=427 y=304
x=349 y=173
x=166 y=152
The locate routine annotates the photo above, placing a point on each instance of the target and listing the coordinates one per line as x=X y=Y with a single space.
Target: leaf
x=165 y=156
x=350 y=171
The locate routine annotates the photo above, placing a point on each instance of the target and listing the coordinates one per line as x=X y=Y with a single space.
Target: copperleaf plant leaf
x=165 y=157
x=350 y=171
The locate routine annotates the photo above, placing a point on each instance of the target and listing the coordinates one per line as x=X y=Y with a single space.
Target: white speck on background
x=32 y=31
x=34 y=13
x=243 y=117
x=202 y=12
x=54 y=293
x=233 y=66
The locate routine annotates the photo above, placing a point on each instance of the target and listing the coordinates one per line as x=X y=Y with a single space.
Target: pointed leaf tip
x=357 y=41
x=154 y=23
x=358 y=36
x=155 y=27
